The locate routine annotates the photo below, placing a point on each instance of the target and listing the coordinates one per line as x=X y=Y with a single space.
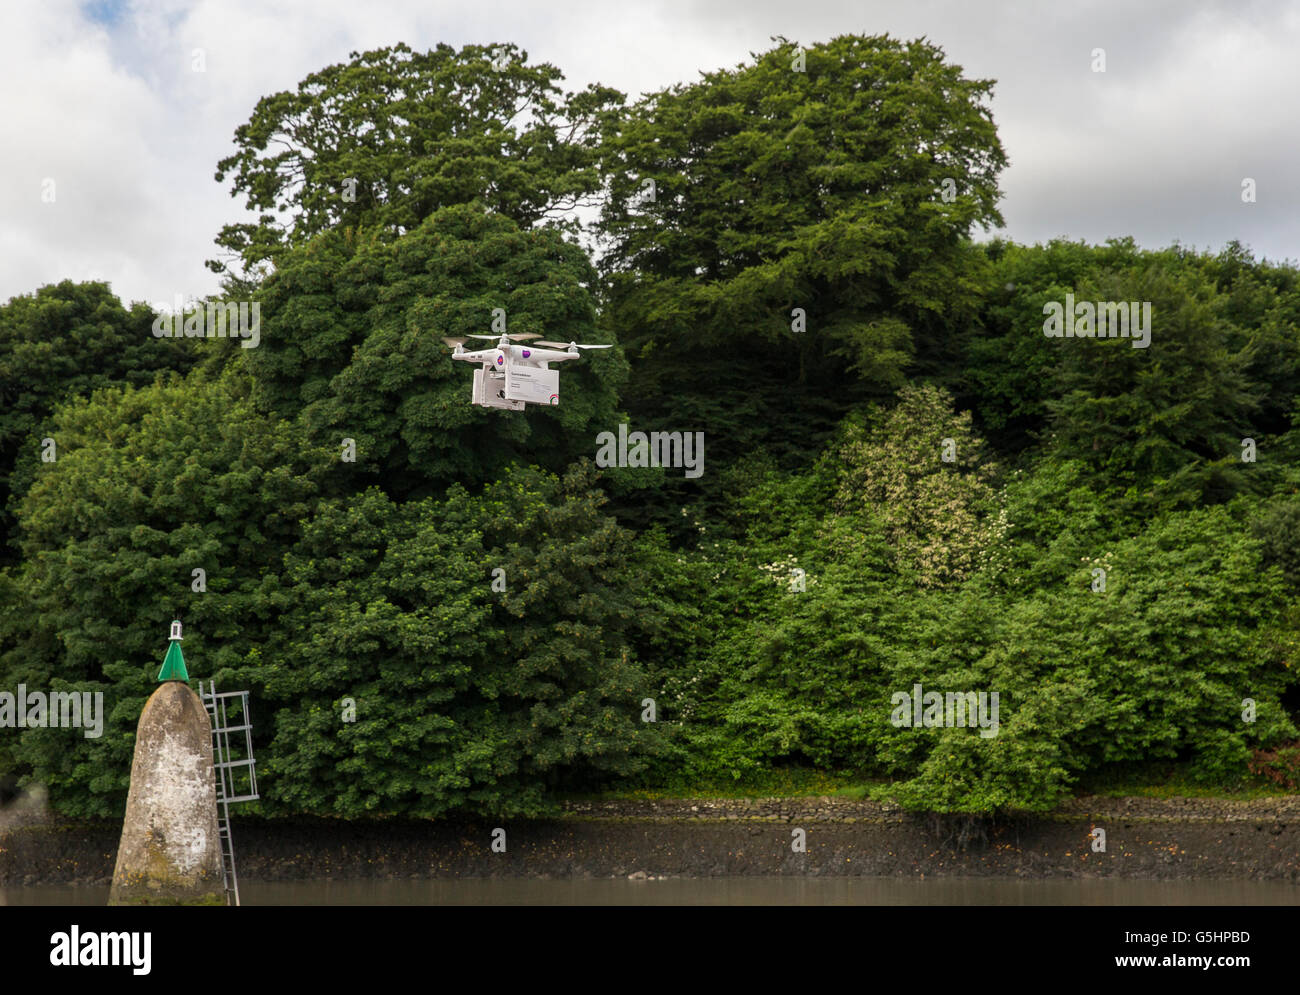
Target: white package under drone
x=489 y=391
x=532 y=384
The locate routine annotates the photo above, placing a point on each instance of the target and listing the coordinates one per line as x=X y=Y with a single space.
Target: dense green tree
x=1156 y=667
x=822 y=187
x=392 y=135
x=467 y=698
x=352 y=343
x=1224 y=318
x=1261 y=302
x=845 y=187
x=66 y=340
x=1008 y=375
x=150 y=485
x=1166 y=420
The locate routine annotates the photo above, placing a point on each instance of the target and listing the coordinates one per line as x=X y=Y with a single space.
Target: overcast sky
x=101 y=98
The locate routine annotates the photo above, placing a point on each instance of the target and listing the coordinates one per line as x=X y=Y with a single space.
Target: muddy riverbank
x=1167 y=839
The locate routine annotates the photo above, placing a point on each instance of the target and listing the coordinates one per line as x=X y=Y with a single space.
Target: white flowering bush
x=936 y=513
x=787 y=573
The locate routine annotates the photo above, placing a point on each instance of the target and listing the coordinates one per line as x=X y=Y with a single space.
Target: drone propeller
x=514 y=337
x=570 y=345
x=453 y=343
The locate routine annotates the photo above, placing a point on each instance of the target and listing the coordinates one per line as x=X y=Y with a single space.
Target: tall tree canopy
x=845 y=187
x=392 y=135
x=842 y=180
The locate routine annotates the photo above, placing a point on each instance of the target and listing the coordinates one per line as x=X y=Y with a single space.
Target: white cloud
x=1195 y=97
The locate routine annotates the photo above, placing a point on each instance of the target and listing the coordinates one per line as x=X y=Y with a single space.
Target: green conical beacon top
x=173 y=668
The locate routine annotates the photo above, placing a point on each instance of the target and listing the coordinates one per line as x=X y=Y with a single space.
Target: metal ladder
x=225 y=766
x=229 y=879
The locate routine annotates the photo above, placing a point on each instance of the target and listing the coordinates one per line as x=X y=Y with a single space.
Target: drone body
x=513 y=376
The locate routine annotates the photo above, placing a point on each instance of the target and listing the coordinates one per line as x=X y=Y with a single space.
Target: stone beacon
x=170 y=852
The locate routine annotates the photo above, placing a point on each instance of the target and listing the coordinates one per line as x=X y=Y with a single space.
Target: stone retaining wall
x=1145 y=838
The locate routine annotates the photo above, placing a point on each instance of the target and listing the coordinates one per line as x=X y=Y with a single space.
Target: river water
x=724 y=891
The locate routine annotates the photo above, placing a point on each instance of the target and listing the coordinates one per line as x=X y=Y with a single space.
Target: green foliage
x=66 y=340
x=388 y=138
x=1157 y=666
x=1277 y=526
x=775 y=190
x=1008 y=364
x=352 y=344
x=1169 y=417
x=929 y=477
x=457 y=623
x=149 y=485
x=1161 y=426
x=465 y=697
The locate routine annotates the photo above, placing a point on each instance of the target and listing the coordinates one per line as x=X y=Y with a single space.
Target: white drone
x=515 y=375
